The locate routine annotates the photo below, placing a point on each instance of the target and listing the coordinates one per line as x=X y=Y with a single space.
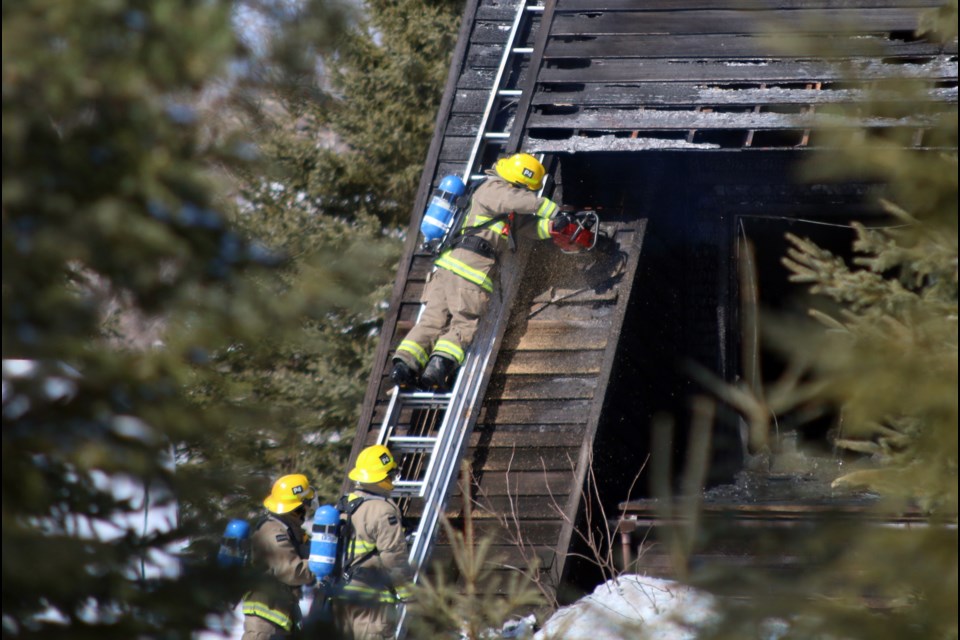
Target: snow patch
x=633 y=606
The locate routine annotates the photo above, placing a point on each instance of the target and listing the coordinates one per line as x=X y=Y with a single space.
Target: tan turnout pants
x=255 y=628
x=364 y=622
x=451 y=314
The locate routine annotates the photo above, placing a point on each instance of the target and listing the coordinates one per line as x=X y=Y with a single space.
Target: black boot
x=403 y=376
x=436 y=376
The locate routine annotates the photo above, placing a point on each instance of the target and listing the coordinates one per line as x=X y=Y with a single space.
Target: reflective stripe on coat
x=495 y=197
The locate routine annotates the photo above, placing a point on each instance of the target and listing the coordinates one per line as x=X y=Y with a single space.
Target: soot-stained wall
x=684 y=307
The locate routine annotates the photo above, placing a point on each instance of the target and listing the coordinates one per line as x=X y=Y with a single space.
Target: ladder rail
x=508 y=52
x=465 y=407
x=449 y=458
x=463 y=402
x=439 y=449
x=462 y=411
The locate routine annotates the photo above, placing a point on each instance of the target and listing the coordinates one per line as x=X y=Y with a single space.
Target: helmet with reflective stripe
x=288 y=493
x=374 y=464
x=522 y=170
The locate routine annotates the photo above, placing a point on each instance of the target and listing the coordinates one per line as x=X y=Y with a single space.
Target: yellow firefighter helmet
x=374 y=465
x=288 y=493
x=522 y=170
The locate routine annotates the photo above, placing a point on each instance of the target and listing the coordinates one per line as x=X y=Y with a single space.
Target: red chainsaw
x=575 y=232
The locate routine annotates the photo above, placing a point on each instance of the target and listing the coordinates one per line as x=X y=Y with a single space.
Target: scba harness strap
x=460 y=237
x=349 y=563
x=477 y=245
x=348 y=539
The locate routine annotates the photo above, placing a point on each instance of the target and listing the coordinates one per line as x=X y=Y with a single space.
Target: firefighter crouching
x=279 y=547
x=376 y=569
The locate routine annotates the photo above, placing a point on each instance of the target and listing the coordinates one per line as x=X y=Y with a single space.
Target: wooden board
x=534 y=532
x=541 y=407
x=656 y=120
x=525 y=456
x=553 y=335
x=526 y=483
x=775 y=71
x=508 y=436
x=556 y=387
x=694 y=94
x=731 y=46
x=534 y=411
x=487 y=507
x=712 y=21
x=506 y=555
x=566 y=6
x=552 y=362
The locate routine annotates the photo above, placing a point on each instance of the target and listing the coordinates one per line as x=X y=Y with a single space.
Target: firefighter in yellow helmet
x=458 y=291
x=376 y=569
x=280 y=549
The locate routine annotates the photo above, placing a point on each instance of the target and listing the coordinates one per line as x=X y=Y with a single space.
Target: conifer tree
x=363 y=142
x=124 y=283
x=888 y=360
x=884 y=360
x=342 y=153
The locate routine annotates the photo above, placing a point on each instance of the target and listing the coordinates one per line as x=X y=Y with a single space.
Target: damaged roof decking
x=708 y=75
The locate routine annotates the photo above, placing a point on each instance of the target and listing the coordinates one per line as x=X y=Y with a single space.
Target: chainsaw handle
x=585 y=221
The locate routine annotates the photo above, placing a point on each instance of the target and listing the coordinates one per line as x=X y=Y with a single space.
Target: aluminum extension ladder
x=428 y=454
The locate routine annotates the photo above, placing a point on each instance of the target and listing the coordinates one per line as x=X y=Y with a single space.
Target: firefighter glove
x=561 y=220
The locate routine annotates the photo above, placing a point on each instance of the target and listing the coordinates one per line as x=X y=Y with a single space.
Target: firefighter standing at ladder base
x=279 y=546
x=458 y=291
x=376 y=570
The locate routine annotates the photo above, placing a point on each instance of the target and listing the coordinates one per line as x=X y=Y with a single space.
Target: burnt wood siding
x=710 y=75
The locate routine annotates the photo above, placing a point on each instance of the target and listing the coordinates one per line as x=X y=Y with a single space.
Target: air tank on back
x=442 y=209
x=235 y=544
x=323 y=541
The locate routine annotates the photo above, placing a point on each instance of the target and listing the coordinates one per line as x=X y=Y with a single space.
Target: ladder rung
x=424 y=395
x=497 y=134
x=421 y=399
x=536 y=8
x=510 y=92
x=407 y=488
x=525 y=50
x=411 y=444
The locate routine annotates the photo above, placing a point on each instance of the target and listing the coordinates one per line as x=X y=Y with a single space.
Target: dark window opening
x=684 y=306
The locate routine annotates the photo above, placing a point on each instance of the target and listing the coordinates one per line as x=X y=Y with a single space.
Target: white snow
x=627 y=608
x=631 y=607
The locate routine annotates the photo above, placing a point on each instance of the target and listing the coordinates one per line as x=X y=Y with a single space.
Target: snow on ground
x=627 y=608
x=630 y=607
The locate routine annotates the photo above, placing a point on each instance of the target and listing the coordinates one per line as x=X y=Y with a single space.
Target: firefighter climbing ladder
x=432 y=456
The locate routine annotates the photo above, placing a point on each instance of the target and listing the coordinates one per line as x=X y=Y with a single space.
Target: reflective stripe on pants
x=261 y=610
x=465 y=271
x=452 y=311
